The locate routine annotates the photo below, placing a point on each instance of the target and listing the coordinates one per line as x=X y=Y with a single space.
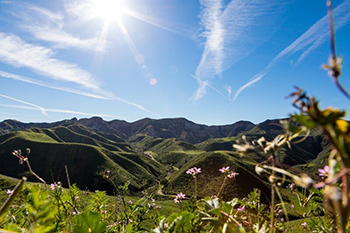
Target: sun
x=109 y=9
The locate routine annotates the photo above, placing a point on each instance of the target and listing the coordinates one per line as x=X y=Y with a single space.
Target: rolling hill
x=147 y=152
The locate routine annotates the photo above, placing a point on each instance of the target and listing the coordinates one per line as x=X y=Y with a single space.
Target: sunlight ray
x=152 y=21
x=101 y=46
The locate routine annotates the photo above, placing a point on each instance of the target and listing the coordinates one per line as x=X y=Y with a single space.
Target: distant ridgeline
x=148 y=152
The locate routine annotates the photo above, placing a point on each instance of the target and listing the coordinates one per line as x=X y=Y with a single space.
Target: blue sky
x=212 y=61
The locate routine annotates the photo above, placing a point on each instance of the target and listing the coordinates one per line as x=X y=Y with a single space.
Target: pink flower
x=130 y=202
x=224 y=169
x=158 y=207
x=324 y=172
x=241 y=208
x=291 y=186
x=9 y=192
x=304 y=224
x=52 y=186
x=180 y=196
x=291 y=207
x=232 y=175
x=194 y=171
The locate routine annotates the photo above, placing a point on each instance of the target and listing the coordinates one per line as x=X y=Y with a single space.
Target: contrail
x=42 y=110
x=311 y=39
x=206 y=84
x=60 y=111
x=233 y=31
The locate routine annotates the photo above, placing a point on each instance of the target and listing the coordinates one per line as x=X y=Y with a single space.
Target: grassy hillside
x=86 y=158
x=89 y=151
x=211 y=179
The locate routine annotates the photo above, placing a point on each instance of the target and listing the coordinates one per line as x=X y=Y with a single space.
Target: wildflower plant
x=194 y=171
x=228 y=175
x=336 y=129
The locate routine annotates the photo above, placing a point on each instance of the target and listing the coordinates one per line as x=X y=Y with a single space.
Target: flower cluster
x=230 y=174
x=279 y=212
x=55 y=185
x=292 y=187
x=22 y=158
x=106 y=174
x=9 y=192
x=324 y=172
x=225 y=169
x=179 y=197
x=194 y=171
x=241 y=208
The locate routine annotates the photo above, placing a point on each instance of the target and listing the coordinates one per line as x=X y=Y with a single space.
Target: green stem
x=195 y=189
x=272 y=222
x=12 y=196
x=222 y=187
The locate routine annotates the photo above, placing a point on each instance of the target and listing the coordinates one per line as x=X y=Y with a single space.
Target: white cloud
x=253 y=80
x=201 y=91
x=105 y=96
x=62 y=39
x=49 y=15
x=308 y=41
x=60 y=111
x=6 y=2
x=234 y=31
x=17 y=52
x=48 y=85
x=229 y=90
x=34 y=106
x=50 y=26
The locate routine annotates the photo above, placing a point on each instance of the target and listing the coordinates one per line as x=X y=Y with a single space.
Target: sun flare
x=109 y=9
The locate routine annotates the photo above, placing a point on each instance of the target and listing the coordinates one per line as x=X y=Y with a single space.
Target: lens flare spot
x=140 y=58
x=153 y=81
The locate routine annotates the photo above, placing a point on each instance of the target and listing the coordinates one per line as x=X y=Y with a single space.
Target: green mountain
x=87 y=155
x=147 y=153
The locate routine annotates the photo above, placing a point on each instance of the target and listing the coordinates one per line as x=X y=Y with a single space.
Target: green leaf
x=89 y=222
x=304 y=120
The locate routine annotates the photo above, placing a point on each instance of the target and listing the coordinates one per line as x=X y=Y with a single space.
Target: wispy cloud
x=60 y=111
x=108 y=96
x=6 y=2
x=62 y=39
x=308 y=41
x=36 y=107
x=50 y=26
x=253 y=80
x=17 y=52
x=234 y=31
x=202 y=90
x=229 y=90
x=44 y=111
x=48 y=85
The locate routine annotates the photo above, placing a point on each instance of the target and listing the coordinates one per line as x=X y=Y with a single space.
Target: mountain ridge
x=181 y=128
x=147 y=153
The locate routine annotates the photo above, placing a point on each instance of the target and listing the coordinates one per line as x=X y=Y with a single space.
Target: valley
x=149 y=152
